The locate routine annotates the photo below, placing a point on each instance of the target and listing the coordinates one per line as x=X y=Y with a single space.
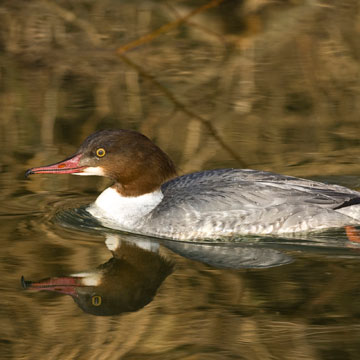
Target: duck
x=148 y=197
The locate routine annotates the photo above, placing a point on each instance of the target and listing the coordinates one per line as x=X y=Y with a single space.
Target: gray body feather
x=225 y=203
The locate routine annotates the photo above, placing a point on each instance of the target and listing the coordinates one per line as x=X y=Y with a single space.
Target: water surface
x=272 y=87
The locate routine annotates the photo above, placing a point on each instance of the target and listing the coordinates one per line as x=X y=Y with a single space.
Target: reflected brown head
x=127 y=282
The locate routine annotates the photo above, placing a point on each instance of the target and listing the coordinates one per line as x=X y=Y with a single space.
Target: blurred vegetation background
x=272 y=85
x=251 y=83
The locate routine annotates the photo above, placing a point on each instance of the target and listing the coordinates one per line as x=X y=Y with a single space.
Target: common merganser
x=148 y=198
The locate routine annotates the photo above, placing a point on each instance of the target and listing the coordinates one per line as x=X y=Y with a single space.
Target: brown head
x=133 y=161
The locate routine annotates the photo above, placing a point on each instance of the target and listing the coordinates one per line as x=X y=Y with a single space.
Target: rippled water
x=242 y=86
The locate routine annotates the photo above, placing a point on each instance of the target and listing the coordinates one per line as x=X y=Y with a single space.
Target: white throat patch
x=98 y=171
x=125 y=211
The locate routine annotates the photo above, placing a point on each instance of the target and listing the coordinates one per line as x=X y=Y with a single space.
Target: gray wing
x=232 y=189
x=234 y=201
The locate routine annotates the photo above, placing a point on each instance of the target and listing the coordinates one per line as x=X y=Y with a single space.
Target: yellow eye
x=96 y=300
x=100 y=152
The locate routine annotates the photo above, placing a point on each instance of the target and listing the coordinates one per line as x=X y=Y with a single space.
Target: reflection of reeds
x=274 y=84
x=145 y=39
x=289 y=74
x=280 y=94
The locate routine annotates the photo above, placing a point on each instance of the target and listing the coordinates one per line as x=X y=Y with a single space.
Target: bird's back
x=227 y=202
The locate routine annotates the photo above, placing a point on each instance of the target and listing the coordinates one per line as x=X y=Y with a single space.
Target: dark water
x=244 y=84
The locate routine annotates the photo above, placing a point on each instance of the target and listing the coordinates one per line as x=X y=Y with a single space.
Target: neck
x=126 y=211
x=144 y=183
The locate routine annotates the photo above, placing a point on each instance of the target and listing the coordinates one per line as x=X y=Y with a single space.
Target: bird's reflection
x=130 y=279
x=127 y=282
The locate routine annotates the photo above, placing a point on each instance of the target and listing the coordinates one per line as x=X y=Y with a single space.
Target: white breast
x=125 y=211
